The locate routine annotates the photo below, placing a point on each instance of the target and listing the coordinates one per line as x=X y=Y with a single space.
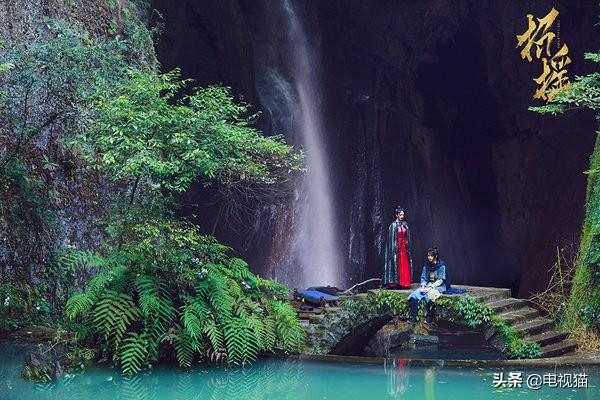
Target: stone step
x=495 y=295
x=304 y=323
x=509 y=304
x=316 y=318
x=533 y=327
x=547 y=338
x=557 y=349
x=519 y=316
x=330 y=309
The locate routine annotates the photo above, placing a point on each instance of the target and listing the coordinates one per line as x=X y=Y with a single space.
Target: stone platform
x=327 y=326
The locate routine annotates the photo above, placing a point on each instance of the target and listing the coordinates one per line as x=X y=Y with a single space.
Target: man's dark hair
x=434 y=252
x=398 y=210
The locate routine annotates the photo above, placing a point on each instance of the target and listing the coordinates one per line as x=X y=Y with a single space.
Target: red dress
x=403 y=265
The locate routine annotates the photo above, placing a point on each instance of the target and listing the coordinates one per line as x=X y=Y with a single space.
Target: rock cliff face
x=63 y=208
x=426 y=106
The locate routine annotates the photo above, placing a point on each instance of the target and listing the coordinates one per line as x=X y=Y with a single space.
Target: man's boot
x=413 y=305
x=430 y=312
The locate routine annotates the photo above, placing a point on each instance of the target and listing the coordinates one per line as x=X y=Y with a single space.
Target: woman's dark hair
x=434 y=252
x=398 y=210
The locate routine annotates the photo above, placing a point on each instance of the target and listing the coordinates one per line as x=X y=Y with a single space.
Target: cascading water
x=316 y=247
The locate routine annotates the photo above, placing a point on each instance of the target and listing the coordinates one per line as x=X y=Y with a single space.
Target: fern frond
x=240 y=272
x=79 y=304
x=72 y=260
x=105 y=278
x=190 y=321
x=259 y=330
x=133 y=354
x=184 y=350
x=149 y=300
x=287 y=326
x=270 y=335
x=214 y=290
x=234 y=288
x=270 y=287
x=214 y=335
x=240 y=342
x=113 y=313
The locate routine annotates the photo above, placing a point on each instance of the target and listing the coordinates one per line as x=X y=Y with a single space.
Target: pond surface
x=276 y=379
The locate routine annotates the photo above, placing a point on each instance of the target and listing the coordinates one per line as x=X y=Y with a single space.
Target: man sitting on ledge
x=433 y=284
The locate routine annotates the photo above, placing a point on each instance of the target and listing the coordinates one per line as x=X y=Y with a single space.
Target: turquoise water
x=275 y=379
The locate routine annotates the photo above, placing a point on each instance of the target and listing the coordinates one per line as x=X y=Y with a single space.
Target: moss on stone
x=584 y=292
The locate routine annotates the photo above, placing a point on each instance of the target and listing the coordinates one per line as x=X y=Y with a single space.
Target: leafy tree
x=163 y=288
x=142 y=132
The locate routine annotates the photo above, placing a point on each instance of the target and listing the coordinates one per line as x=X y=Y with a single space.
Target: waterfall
x=316 y=244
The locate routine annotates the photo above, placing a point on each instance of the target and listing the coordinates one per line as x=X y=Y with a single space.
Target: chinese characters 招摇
x=537 y=40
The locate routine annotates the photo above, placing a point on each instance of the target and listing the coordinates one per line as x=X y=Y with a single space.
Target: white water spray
x=317 y=243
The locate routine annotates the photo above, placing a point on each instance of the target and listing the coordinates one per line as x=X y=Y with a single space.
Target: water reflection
x=279 y=380
x=397 y=377
x=276 y=379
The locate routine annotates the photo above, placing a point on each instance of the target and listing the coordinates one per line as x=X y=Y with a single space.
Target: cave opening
x=432 y=116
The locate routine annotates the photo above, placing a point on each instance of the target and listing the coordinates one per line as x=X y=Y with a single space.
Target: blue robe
x=439 y=272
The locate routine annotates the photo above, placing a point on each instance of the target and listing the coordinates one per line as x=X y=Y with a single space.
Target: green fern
x=154 y=299
x=79 y=304
x=214 y=335
x=287 y=327
x=260 y=331
x=269 y=337
x=184 y=350
x=240 y=272
x=72 y=260
x=207 y=311
x=240 y=342
x=270 y=287
x=133 y=354
x=113 y=313
x=191 y=323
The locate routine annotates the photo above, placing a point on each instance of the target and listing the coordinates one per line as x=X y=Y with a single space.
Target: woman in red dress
x=398 y=263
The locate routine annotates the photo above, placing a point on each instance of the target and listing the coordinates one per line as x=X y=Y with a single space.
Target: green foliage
x=113 y=313
x=162 y=286
x=61 y=72
x=22 y=304
x=77 y=357
x=583 y=307
x=46 y=87
x=515 y=345
x=473 y=313
x=6 y=67
x=463 y=310
x=585 y=93
x=133 y=355
x=167 y=288
x=466 y=310
x=143 y=129
x=392 y=302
